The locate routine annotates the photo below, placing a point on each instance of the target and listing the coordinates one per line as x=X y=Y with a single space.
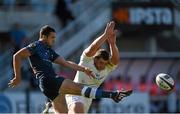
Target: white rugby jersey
x=81 y=77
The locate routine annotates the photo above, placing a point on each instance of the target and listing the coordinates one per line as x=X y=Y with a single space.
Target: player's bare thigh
x=70 y=87
x=76 y=107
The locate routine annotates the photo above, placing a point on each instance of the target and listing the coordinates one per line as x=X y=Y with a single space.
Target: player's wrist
x=17 y=76
x=85 y=69
x=105 y=34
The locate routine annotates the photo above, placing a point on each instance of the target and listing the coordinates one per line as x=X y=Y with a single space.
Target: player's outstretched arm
x=96 y=44
x=17 y=58
x=70 y=64
x=115 y=56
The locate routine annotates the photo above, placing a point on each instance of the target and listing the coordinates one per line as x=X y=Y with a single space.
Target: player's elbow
x=118 y=60
x=16 y=56
x=115 y=61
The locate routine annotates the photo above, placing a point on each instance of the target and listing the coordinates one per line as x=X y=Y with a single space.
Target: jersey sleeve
x=32 y=48
x=54 y=55
x=85 y=58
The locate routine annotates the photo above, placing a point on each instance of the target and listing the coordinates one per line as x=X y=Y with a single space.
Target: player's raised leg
x=70 y=87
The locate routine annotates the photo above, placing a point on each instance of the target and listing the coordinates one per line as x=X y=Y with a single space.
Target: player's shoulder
x=34 y=44
x=85 y=58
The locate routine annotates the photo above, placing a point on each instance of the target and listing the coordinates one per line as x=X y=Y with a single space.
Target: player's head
x=101 y=59
x=48 y=34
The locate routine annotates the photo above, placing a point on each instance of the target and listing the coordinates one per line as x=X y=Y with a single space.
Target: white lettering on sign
x=151 y=16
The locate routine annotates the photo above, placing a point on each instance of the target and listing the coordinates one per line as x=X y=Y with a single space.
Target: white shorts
x=72 y=99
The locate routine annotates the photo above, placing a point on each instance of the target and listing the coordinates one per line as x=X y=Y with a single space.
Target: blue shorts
x=50 y=86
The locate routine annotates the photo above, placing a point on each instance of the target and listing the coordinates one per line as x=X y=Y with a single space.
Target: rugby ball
x=165 y=82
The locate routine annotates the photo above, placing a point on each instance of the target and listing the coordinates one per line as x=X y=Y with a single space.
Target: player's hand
x=112 y=37
x=89 y=72
x=14 y=82
x=110 y=28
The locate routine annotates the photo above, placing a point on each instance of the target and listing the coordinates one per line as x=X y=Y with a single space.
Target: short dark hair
x=102 y=53
x=45 y=30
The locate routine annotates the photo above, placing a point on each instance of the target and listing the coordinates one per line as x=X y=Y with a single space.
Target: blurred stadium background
x=149 y=43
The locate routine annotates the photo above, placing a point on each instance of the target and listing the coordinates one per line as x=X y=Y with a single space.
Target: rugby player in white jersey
x=101 y=62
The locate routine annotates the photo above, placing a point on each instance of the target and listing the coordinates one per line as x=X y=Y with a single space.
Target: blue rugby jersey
x=41 y=59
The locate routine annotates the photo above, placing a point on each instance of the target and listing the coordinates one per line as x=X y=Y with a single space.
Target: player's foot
x=47 y=107
x=119 y=95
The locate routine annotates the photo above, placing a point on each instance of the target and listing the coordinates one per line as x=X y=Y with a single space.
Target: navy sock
x=97 y=93
x=104 y=94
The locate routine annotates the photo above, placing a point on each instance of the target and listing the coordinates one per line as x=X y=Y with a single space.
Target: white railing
x=79 y=22
x=82 y=21
x=81 y=6
x=84 y=35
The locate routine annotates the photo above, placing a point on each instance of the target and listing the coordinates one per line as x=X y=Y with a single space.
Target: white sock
x=89 y=92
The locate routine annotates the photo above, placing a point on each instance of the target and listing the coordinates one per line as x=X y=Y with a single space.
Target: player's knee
x=79 y=107
x=58 y=105
x=76 y=108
